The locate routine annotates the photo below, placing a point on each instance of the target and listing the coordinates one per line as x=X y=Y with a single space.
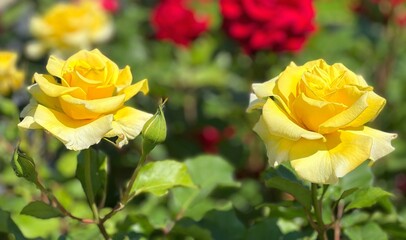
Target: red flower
x=210 y=137
x=277 y=25
x=110 y=5
x=173 y=21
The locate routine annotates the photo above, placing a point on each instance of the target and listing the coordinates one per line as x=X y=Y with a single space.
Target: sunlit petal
x=28 y=114
x=277 y=148
x=281 y=125
x=365 y=109
x=324 y=162
x=43 y=99
x=75 y=134
x=87 y=109
x=130 y=91
x=128 y=123
x=52 y=88
x=55 y=65
x=381 y=142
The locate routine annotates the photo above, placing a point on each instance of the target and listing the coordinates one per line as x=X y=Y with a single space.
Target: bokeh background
x=203 y=55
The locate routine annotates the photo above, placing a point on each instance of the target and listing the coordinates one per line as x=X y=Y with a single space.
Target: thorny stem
x=317 y=206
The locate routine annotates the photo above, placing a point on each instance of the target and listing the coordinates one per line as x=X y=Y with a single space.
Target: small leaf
x=284 y=180
x=92 y=172
x=158 y=177
x=347 y=193
x=7 y=225
x=41 y=210
x=366 y=232
x=367 y=197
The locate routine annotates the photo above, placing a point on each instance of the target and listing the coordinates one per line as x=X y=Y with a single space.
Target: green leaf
x=195 y=202
x=267 y=229
x=158 y=177
x=367 y=197
x=7 y=225
x=187 y=227
x=92 y=173
x=347 y=193
x=355 y=218
x=368 y=231
x=41 y=210
x=283 y=179
x=360 y=177
x=223 y=225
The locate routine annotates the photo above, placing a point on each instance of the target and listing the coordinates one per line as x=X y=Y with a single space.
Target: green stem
x=88 y=179
x=126 y=197
x=53 y=200
x=103 y=231
x=317 y=206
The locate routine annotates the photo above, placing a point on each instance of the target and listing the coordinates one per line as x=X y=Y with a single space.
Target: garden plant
x=202 y=119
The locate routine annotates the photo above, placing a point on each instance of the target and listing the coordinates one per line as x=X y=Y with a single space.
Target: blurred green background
x=208 y=86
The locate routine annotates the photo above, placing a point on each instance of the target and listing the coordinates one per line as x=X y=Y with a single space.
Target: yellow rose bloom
x=69 y=27
x=10 y=78
x=82 y=101
x=314 y=115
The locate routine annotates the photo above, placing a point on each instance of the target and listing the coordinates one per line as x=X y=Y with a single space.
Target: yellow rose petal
x=347 y=95
x=381 y=142
x=100 y=92
x=43 y=99
x=365 y=109
x=128 y=123
x=88 y=109
x=287 y=83
x=265 y=89
x=324 y=162
x=277 y=148
x=75 y=134
x=124 y=78
x=28 y=114
x=314 y=112
x=50 y=87
x=255 y=103
x=55 y=66
x=135 y=88
x=281 y=125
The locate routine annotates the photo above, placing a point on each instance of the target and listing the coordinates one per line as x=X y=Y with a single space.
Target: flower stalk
x=318 y=211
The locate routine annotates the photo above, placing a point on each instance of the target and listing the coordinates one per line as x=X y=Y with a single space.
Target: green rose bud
x=154 y=131
x=23 y=165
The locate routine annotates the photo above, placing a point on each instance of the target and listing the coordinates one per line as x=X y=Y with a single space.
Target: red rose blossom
x=277 y=25
x=110 y=5
x=173 y=21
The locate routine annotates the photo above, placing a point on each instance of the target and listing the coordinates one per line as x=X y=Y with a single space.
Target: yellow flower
x=314 y=115
x=69 y=27
x=10 y=78
x=83 y=99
